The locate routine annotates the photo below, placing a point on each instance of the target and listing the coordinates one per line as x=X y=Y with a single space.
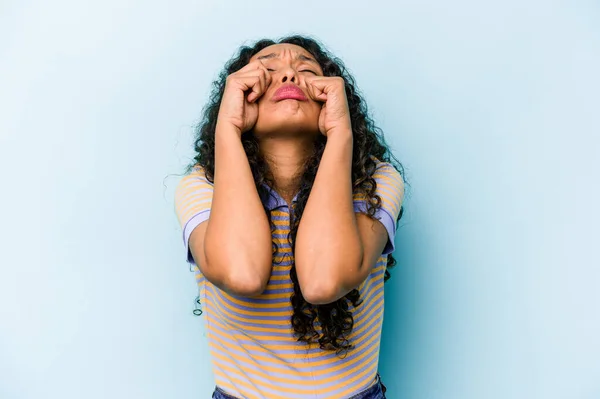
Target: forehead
x=281 y=48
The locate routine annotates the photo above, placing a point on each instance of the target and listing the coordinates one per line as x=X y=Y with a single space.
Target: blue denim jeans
x=377 y=391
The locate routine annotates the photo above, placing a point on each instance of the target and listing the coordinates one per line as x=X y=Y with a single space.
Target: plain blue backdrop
x=493 y=107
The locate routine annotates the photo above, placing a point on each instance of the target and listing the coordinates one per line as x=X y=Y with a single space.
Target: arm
x=230 y=238
x=336 y=248
x=339 y=258
x=234 y=248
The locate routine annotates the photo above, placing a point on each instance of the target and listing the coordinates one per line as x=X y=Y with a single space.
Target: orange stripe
x=357 y=335
x=247 y=395
x=230 y=313
x=244 y=374
x=221 y=305
x=241 y=302
x=307 y=368
x=283 y=310
x=286 y=311
x=372 y=370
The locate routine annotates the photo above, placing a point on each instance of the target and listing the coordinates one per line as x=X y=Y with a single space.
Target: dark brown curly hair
x=335 y=319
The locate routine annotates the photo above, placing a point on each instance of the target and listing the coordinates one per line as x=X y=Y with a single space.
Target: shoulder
x=389 y=185
x=196 y=177
x=386 y=174
x=192 y=187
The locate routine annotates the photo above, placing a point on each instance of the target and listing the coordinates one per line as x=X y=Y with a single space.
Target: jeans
x=377 y=391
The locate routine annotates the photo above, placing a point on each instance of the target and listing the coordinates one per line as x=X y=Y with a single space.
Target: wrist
x=223 y=128
x=341 y=135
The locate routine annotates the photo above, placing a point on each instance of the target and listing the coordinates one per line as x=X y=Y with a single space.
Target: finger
x=264 y=77
x=265 y=81
x=256 y=89
x=257 y=65
x=260 y=87
x=316 y=89
x=267 y=73
x=252 y=65
x=249 y=83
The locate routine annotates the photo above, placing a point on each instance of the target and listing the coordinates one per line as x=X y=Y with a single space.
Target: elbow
x=244 y=284
x=327 y=286
x=247 y=281
x=321 y=292
x=244 y=275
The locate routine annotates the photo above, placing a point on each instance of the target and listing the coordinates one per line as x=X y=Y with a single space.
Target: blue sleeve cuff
x=189 y=227
x=386 y=219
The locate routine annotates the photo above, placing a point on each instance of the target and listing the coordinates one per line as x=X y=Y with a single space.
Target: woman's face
x=285 y=107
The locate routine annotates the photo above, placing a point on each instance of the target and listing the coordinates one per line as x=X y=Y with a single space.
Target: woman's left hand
x=335 y=115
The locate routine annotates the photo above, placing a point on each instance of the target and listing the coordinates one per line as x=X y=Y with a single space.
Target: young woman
x=289 y=212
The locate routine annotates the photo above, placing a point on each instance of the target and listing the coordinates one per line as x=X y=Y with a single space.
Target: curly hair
x=335 y=319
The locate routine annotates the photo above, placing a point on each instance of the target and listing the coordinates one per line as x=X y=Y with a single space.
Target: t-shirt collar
x=275 y=200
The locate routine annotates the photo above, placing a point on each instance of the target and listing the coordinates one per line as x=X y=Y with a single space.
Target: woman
x=289 y=212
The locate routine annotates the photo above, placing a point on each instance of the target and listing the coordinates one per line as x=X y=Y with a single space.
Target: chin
x=287 y=118
x=288 y=126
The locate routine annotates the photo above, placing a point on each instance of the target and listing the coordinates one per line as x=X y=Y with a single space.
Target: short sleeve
x=193 y=199
x=390 y=188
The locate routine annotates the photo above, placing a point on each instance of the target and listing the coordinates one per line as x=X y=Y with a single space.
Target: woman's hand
x=242 y=89
x=335 y=115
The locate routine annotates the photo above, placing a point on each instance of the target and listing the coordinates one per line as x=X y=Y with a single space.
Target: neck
x=286 y=157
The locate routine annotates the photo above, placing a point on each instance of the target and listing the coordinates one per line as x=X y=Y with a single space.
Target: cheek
x=312 y=110
x=266 y=110
x=316 y=107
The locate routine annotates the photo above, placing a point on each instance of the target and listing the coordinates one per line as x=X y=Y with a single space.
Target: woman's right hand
x=242 y=90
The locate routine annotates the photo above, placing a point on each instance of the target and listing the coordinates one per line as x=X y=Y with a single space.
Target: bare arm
x=233 y=247
x=339 y=257
x=336 y=248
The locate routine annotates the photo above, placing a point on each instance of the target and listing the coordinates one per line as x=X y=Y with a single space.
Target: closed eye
x=304 y=70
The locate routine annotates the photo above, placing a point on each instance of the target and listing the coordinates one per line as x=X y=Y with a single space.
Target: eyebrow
x=299 y=57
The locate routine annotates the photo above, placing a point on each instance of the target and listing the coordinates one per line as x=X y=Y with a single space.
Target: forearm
x=328 y=245
x=238 y=238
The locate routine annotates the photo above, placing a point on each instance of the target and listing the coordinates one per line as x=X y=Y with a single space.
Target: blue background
x=493 y=107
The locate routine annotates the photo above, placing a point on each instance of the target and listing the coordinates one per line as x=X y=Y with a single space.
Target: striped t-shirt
x=251 y=340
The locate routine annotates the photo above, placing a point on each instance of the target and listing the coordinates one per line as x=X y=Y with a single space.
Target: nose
x=289 y=75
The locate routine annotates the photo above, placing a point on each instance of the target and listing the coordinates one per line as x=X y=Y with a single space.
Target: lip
x=289 y=92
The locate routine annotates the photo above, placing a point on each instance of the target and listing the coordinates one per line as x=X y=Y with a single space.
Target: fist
x=331 y=90
x=242 y=89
